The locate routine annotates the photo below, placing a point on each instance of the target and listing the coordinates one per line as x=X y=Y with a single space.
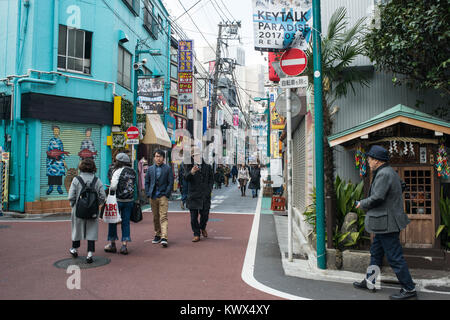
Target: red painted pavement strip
x=206 y=270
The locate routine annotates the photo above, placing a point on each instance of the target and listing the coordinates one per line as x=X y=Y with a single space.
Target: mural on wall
x=56 y=166
x=63 y=146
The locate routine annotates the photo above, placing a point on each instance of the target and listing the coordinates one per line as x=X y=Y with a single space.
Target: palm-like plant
x=340 y=47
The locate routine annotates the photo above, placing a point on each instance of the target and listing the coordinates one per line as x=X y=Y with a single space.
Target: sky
x=207 y=14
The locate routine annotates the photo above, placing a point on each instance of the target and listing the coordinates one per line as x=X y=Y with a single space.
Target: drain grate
x=296 y=256
x=80 y=261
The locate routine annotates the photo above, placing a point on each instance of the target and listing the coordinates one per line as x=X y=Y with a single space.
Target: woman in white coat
x=243 y=177
x=85 y=229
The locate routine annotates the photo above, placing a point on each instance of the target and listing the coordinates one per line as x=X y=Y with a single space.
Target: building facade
x=58 y=79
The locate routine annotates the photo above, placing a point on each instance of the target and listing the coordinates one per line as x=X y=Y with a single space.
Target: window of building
x=150 y=22
x=133 y=5
x=74 y=50
x=124 y=68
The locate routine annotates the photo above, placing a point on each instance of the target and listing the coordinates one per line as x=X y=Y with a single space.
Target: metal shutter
x=298 y=166
x=71 y=135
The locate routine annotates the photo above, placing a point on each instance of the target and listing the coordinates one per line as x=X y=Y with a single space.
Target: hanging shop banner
x=277 y=122
x=151 y=95
x=280 y=24
x=173 y=104
x=185 y=72
x=170 y=124
x=275 y=145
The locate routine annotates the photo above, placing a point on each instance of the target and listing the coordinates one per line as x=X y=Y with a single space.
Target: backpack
x=87 y=202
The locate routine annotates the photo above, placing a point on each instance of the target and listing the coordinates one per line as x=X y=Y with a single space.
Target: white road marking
x=249 y=261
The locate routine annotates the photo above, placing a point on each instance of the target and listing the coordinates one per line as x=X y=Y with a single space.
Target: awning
x=397 y=114
x=156 y=132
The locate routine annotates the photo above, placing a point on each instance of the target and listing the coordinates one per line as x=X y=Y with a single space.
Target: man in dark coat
x=385 y=218
x=200 y=180
x=255 y=177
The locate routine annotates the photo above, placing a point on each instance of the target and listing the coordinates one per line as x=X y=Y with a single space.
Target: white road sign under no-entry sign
x=294 y=82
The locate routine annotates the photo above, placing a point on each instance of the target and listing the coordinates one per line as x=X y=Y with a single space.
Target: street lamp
x=267 y=112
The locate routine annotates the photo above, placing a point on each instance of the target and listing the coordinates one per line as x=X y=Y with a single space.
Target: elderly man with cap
x=385 y=218
x=123 y=182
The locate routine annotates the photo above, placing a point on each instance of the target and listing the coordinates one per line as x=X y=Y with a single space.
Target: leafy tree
x=412 y=40
x=340 y=47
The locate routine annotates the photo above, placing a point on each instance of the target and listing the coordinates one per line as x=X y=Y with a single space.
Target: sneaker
x=73 y=252
x=123 y=250
x=111 y=248
x=164 y=242
x=157 y=239
x=89 y=258
x=196 y=239
x=363 y=285
x=204 y=233
x=404 y=294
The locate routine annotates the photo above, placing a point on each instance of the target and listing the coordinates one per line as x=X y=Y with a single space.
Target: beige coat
x=84 y=229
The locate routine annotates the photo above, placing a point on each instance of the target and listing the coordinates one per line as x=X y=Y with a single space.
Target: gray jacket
x=84 y=229
x=384 y=206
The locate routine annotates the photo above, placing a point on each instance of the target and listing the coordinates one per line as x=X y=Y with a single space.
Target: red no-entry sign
x=293 y=62
x=132 y=133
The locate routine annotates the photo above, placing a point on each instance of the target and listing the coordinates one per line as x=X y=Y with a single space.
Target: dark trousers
x=195 y=224
x=91 y=245
x=389 y=244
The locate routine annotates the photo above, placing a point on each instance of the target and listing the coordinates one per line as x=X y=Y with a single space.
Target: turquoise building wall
x=32 y=44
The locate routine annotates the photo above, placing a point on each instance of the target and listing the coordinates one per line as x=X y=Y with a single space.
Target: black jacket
x=200 y=186
x=255 y=177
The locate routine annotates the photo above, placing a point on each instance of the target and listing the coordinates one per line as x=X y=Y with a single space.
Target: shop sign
x=151 y=95
x=280 y=24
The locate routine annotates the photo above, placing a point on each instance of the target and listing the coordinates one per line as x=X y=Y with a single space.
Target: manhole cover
x=3 y=226
x=438 y=288
x=80 y=261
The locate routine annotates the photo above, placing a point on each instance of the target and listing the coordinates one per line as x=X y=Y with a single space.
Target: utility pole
x=231 y=34
x=216 y=79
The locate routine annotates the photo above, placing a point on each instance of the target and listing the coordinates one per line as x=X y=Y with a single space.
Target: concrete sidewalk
x=304 y=262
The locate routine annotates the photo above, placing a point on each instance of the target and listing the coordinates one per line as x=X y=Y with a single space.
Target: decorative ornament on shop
x=361 y=161
x=442 y=167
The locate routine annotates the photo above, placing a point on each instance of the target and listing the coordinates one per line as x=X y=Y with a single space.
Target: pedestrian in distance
x=123 y=184
x=158 y=187
x=243 y=177
x=183 y=186
x=219 y=177
x=85 y=229
x=234 y=173
x=227 y=175
x=385 y=217
x=255 y=177
x=200 y=178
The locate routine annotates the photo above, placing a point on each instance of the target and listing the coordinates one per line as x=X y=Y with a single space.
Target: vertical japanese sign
x=151 y=95
x=281 y=24
x=185 y=72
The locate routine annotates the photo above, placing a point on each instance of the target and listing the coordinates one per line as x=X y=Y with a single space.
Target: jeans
x=389 y=244
x=125 y=209
x=195 y=225
x=255 y=192
x=184 y=192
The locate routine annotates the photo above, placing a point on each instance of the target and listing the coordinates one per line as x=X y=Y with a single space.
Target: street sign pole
x=289 y=169
x=318 y=127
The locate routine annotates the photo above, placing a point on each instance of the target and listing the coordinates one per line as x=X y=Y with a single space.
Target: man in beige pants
x=158 y=187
